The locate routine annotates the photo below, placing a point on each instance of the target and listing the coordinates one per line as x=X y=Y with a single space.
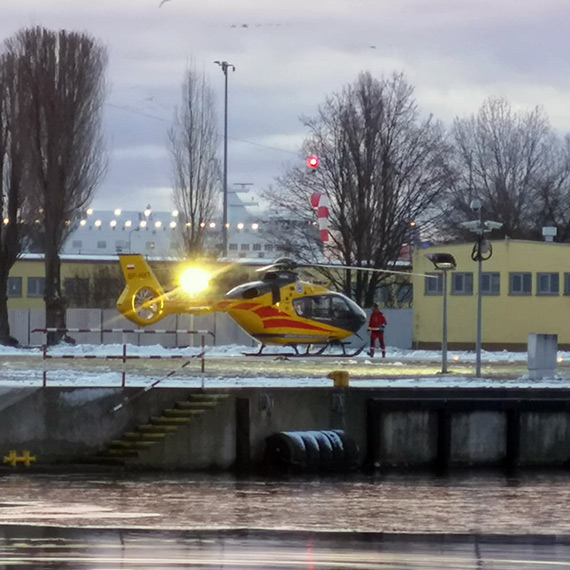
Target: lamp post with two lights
x=482 y=250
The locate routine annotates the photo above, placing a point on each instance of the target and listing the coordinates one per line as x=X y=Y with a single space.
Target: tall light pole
x=225 y=65
x=481 y=251
x=443 y=262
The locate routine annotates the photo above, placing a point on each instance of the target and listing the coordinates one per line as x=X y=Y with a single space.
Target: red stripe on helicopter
x=265 y=312
x=289 y=323
x=242 y=306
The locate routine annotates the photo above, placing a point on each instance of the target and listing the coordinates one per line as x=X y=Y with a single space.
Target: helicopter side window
x=248 y=290
x=321 y=308
x=303 y=307
x=251 y=293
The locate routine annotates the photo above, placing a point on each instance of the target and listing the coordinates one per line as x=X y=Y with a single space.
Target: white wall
x=225 y=330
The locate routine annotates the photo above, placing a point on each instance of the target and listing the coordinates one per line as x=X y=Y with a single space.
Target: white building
x=156 y=233
x=107 y=232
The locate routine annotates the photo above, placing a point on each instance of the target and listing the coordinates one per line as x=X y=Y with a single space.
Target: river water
x=186 y=520
x=480 y=503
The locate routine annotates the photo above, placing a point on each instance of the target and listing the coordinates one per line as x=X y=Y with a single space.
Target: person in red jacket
x=376 y=326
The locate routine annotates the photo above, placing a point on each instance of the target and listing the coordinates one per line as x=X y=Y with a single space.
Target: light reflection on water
x=533 y=503
x=44 y=549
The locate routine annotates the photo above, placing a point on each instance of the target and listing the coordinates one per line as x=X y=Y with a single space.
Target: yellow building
x=88 y=281
x=92 y=281
x=525 y=289
x=85 y=280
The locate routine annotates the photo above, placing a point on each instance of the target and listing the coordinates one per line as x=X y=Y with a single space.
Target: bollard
x=542 y=352
x=340 y=378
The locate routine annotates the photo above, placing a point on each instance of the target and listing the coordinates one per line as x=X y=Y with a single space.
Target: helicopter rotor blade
x=289 y=264
x=266 y=267
x=371 y=269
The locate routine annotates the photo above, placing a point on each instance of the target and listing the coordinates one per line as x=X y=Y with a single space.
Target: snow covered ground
x=24 y=368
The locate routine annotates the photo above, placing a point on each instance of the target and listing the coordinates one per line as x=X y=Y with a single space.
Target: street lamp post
x=130 y=235
x=479 y=257
x=481 y=252
x=225 y=65
x=443 y=262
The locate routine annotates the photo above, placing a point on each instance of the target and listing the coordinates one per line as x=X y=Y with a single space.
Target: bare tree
x=554 y=191
x=503 y=158
x=382 y=167
x=12 y=200
x=63 y=73
x=195 y=165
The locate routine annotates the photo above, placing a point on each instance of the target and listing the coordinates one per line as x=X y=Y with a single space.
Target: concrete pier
x=393 y=428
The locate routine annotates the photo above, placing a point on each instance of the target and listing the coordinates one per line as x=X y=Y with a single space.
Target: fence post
x=44 y=354
x=203 y=363
x=124 y=374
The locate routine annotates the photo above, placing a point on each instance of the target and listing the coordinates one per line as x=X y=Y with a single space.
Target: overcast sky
x=289 y=56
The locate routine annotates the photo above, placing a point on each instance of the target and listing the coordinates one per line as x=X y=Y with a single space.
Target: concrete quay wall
x=392 y=427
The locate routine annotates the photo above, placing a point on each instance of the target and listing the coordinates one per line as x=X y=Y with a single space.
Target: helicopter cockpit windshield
x=333 y=309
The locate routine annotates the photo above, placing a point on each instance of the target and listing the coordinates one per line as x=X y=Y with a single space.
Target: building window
x=434 y=284
x=233 y=246
x=462 y=283
x=101 y=244
x=14 y=288
x=36 y=286
x=121 y=245
x=268 y=247
x=261 y=255
x=74 y=286
x=256 y=247
x=76 y=244
x=490 y=283
x=567 y=284
x=547 y=283
x=244 y=247
x=520 y=284
x=77 y=289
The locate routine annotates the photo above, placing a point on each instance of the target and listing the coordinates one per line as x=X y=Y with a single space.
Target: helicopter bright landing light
x=194 y=280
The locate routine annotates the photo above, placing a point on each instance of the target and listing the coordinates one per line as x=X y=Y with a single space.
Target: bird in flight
x=163 y=1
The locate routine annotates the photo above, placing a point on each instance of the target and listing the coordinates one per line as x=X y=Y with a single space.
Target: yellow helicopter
x=279 y=309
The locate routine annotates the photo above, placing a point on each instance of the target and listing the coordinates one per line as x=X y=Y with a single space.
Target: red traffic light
x=313 y=162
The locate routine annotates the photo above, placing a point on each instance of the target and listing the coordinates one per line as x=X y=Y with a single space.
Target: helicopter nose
x=356 y=321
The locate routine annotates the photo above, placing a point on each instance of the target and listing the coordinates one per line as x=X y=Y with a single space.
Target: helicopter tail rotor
x=142 y=300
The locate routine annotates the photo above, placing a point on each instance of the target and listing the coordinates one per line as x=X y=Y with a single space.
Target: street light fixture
x=443 y=262
x=225 y=65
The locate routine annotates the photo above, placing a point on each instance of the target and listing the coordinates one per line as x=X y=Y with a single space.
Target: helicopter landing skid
x=343 y=352
x=319 y=352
